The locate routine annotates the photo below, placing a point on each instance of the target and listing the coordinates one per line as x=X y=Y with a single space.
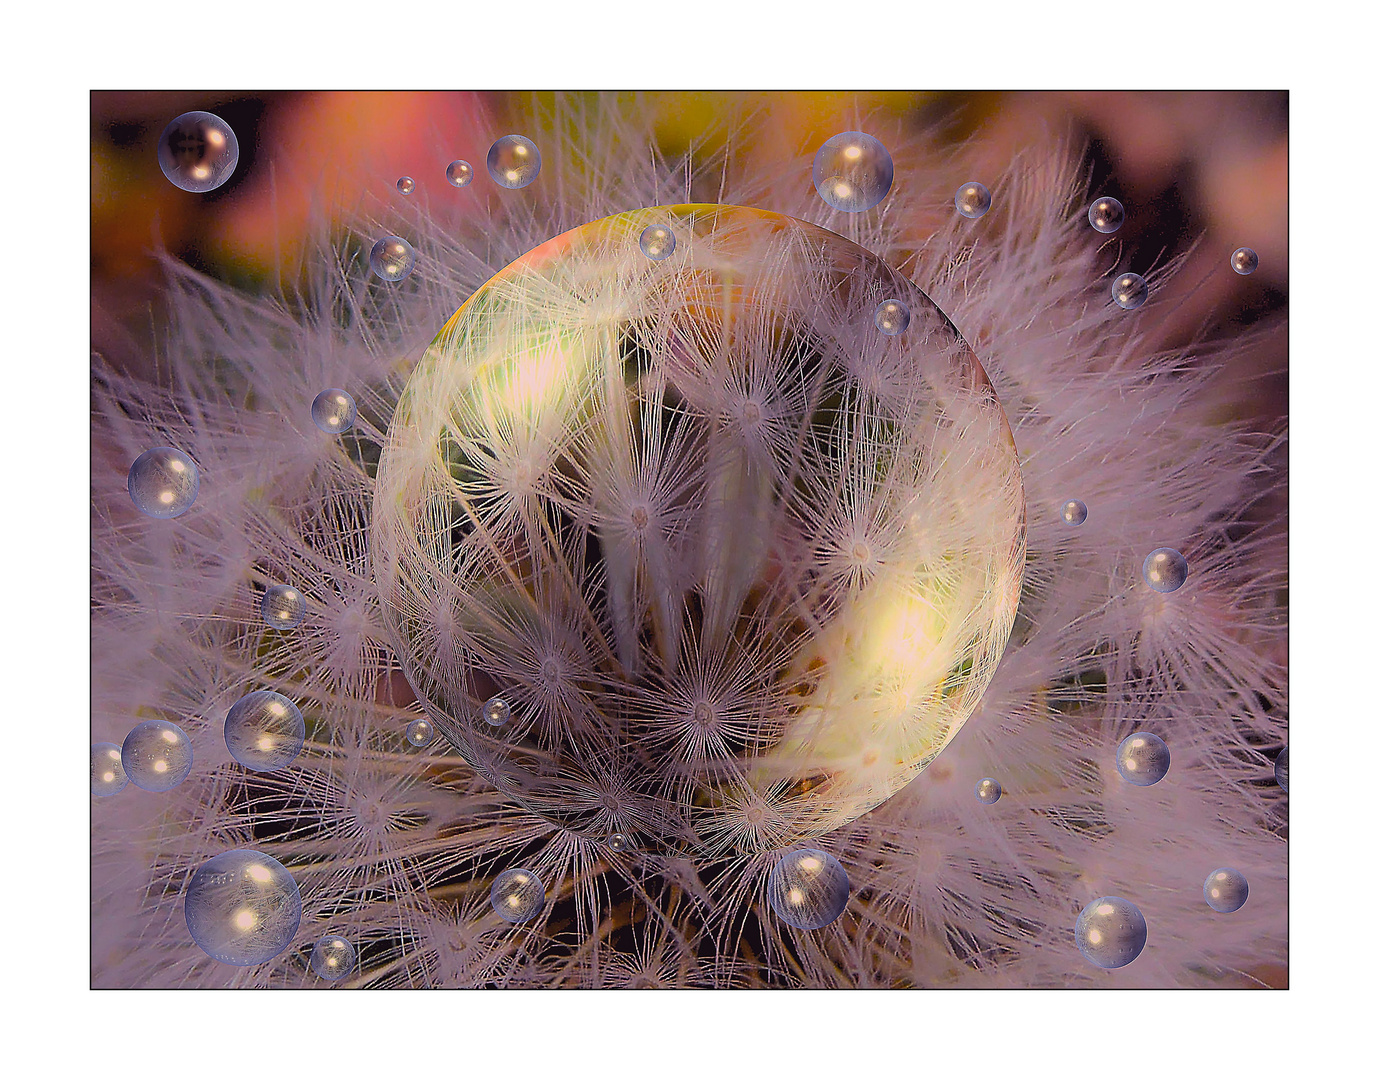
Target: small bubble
x=619 y=841
x=333 y=411
x=282 y=607
x=163 y=482
x=198 y=151
x=406 y=185
x=1244 y=261
x=513 y=161
x=892 y=317
x=459 y=172
x=1225 y=890
x=988 y=790
x=517 y=895
x=107 y=770
x=333 y=958
x=420 y=732
x=392 y=258
x=853 y=171
x=497 y=711
x=1142 y=759
x=1111 y=932
x=1130 y=291
x=1106 y=214
x=1074 y=512
x=973 y=199
x=157 y=755
x=1281 y=769
x=264 y=731
x=657 y=242
x=242 y=907
x=1165 y=570
x=808 y=888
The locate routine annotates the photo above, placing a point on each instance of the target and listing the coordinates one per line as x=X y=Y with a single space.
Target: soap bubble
x=1225 y=890
x=1111 y=932
x=807 y=888
x=853 y=171
x=282 y=607
x=1074 y=511
x=406 y=185
x=973 y=199
x=514 y=161
x=333 y=411
x=420 y=732
x=157 y=755
x=1281 y=769
x=657 y=242
x=392 y=258
x=619 y=841
x=1130 y=291
x=1106 y=215
x=1164 y=570
x=517 y=895
x=264 y=731
x=460 y=173
x=892 y=317
x=198 y=151
x=1244 y=261
x=333 y=957
x=243 y=907
x=1142 y=758
x=107 y=770
x=497 y=711
x=988 y=790
x=163 y=482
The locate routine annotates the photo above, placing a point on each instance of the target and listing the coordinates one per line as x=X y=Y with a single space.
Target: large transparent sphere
x=157 y=755
x=738 y=566
x=107 y=770
x=973 y=199
x=513 y=161
x=198 y=151
x=163 y=482
x=264 y=731
x=853 y=171
x=1111 y=932
x=807 y=888
x=333 y=957
x=282 y=607
x=517 y=895
x=333 y=411
x=1225 y=890
x=242 y=907
x=392 y=258
x=1165 y=570
x=1142 y=758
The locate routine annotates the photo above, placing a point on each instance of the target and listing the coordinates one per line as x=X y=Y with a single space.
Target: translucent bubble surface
x=892 y=317
x=406 y=185
x=163 y=482
x=459 y=173
x=107 y=770
x=282 y=607
x=333 y=411
x=657 y=242
x=1074 y=512
x=1164 y=570
x=264 y=731
x=1281 y=769
x=420 y=732
x=517 y=895
x=973 y=199
x=1106 y=214
x=1130 y=291
x=988 y=790
x=242 y=907
x=157 y=755
x=333 y=958
x=737 y=612
x=1142 y=758
x=1111 y=932
x=392 y=258
x=1244 y=260
x=514 y=161
x=1225 y=890
x=808 y=888
x=198 y=151
x=497 y=711
x=619 y=841
x=853 y=171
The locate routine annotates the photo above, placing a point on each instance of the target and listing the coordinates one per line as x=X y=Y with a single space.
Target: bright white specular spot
x=973 y=199
x=264 y=731
x=513 y=161
x=853 y=171
x=157 y=755
x=163 y=482
x=1106 y=214
x=392 y=258
x=1110 y=932
x=107 y=770
x=459 y=173
x=333 y=958
x=807 y=888
x=517 y=895
x=198 y=151
x=333 y=411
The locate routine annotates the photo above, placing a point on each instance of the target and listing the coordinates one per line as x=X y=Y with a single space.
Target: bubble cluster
x=973 y=199
x=514 y=161
x=853 y=171
x=1130 y=291
x=1244 y=261
x=392 y=258
x=198 y=151
x=107 y=770
x=1281 y=769
x=333 y=958
x=242 y=907
x=406 y=185
x=1074 y=512
x=1142 y=759
x=163 y=482
x=157 y=755
x=1111 y=932
x=282 y=607
x=420 y=732
x=497 y=711
x=1164 y=570
x=517 y=895
x=459 y=173
x=333 y=411
x=1225 y=890
x=657 y=242
x=988 y=790
x=1106 y=214
x=807 y=888
x=892 y=317
x=264 y=731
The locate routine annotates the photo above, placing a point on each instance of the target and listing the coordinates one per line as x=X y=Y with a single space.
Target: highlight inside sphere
x=988 y=790
x=738 y=565
x=853 y=171
x=513 y=161
x=157 y=755
x=973 y=199
x=1074 y=512
x=1244 y=261
x=282 y=607
x=1130 y=291
x=242 y=907
x=1106 y=215
x=198 y=151
x=1225 y=890
x=1142 y=759
x=1165 y=570
x=517 y=895
x=264 y=731
x=808 y=888
x=392 y=258
x=406 y=185
x=333 y=411
x=107 y=770
x=163 y=482
x=459 y=173
x=333 y=958
x=420 y=732
x=1111 y=932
